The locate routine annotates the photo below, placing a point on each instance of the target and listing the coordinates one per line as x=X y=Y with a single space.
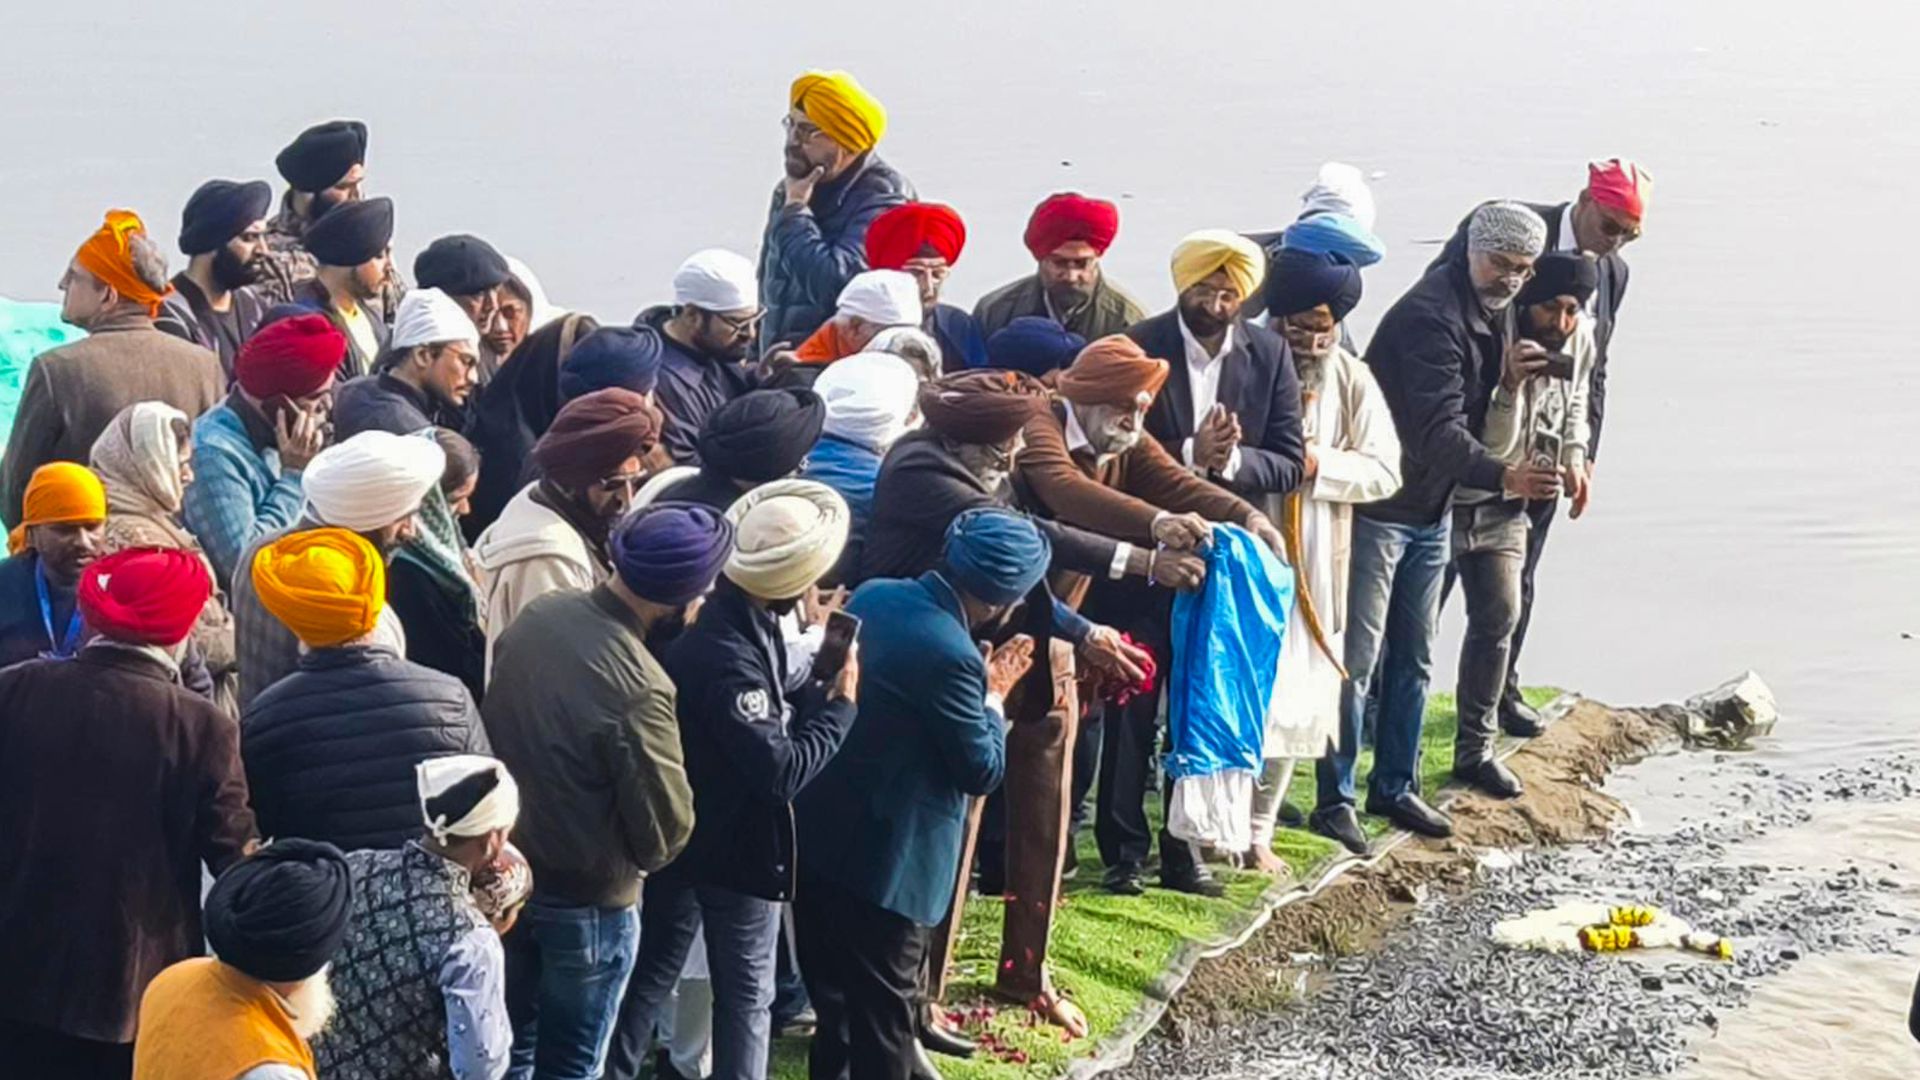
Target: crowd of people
x=494 y=662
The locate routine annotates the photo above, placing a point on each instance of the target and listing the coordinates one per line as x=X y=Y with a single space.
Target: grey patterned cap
x=1508 y=228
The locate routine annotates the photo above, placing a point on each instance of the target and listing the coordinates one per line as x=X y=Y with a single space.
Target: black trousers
x=28 y=1052
x=1541 y=513
x=862 y=965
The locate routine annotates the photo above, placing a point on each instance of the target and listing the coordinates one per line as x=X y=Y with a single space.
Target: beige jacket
x=1351 y=432
x=527 y=553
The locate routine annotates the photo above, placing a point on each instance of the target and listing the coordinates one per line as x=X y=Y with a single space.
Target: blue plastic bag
x=1226 y=653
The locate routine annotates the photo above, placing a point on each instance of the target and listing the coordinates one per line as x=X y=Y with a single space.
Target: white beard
x=312 y=1005
x=1312 y=370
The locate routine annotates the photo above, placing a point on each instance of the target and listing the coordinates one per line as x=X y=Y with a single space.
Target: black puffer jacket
x=330 y=749
x=808 y=255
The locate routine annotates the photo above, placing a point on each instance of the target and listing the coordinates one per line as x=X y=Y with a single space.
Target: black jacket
x=186 y=314
x=1258 y=383
x=384 y=403
x=1437 y=357
x=1606 y=305
x=440 y=615
x=690 y=388
x=706 y=487
x=750 y=747
x=23 y=627
x=808 y=255
x=330 y=749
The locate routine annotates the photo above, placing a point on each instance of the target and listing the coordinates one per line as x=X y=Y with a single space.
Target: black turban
x=460 y=265
x=279 y=915
x=1300 y=281
x=762 y=435
x=318 y=157
x=351 y=233
x=221 y=210
x=1563 y=273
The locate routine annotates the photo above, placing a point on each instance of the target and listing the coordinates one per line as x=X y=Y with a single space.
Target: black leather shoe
x=1489 y=777
x=1412 y=813
x=1341 y=824
x=1123 y=880
x=941 y=1039
x=923 y=1066
x=1291 y=817
x=1197 y=881
x=1521 y=720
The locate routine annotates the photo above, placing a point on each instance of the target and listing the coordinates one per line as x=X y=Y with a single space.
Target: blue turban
x=1034 y=344
x=1337 y=235
x=621 y=356
x=1300 y=281
x=670 y=552
x=220 y=210
x=996 y=555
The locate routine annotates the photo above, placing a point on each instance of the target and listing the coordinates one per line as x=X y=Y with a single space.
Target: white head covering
x=912 y=344
x=498 y=808
x=373 y=479
x=887 y=297
x=137 y=457
x=429 y=317
x=716 y=280
x=1510 y=228
x=869 y=397
x=785 y=535
x=1340 y=189
x=540 y=311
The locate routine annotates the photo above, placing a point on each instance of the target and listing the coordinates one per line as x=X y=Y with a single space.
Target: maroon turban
x=1071 y=216
x=1112 y=371
x=981 y=406
x=593 y=434
x=145 y=596
x=293 y=356
x=915 y=230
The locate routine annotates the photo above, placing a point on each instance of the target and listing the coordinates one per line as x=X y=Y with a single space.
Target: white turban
x=786 y=534
x=488 y=806
x=540 y=310
x=1340 y=189
x=716 y=280
x=373 y=479
x=869 y=397
x=430 y=317
x=887 y=297
x=1509 y=228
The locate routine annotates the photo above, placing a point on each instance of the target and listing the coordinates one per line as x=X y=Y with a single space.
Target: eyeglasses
x=936 y=272
x=1208 y=295
x=623 y=484
x=798 y=130
x=1001 y=457
x=743 y=327
x=1508 y=267
x=1618 y=230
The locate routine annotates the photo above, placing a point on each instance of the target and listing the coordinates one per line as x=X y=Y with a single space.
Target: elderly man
x=1434 y=355
x=925 y=240
x=117 y=785
x=62 y=529
x=421 y=976
x=470 y=271
x=835 y=186
x=870 y=404
x=113 y=289
x=759 y=436
x=583 y=714
x=553 y=535
x=706 y=332
x=430 y=369
x=250 y=451
x=371 y=484
x=352 y=248
x=755 y=734
x=223 y=233
x=1352 y=456
x=875 y=300
x=1067 y=236
x=330 y=748
x=1033 y=344
x=1600 y=222
x=275 y=920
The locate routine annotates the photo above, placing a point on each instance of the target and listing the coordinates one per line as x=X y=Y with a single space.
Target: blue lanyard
x=61 y=651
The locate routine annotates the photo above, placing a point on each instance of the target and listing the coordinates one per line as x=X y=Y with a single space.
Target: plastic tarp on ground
x=27 y=329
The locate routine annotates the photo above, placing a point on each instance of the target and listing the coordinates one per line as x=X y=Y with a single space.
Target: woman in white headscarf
x=870 y=404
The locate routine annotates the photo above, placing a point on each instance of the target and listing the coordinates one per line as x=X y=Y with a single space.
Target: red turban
x=145 y=596
x=1620 y=184
x=593 y=434
x=981 y=407
x=907 y=230
x=1113 y=371
x=1070 y=216
x=294 y=356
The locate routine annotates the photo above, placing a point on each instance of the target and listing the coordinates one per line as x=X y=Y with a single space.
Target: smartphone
x=841 y=629
x=1559 y=366
x=1545 y=452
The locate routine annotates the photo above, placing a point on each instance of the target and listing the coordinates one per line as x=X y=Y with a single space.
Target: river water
x=1753 y=504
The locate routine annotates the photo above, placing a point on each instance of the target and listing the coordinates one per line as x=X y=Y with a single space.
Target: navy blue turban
x=1034 y=344
x=351 y=233
x=280 y=914
x=626 y=357
x=1300 y=281
x=220 y=210
x=321 y=156
x=460 y=265
x=996 y=555
x=763 y=434
x=671 y=552
x=1562 y=273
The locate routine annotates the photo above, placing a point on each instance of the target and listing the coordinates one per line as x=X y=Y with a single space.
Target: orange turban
x=1113 y=371
x=108 y=256
x=841 y=107
x=60 y=493
x=327 y=585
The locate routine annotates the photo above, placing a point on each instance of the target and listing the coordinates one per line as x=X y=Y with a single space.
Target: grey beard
x=1313 y=372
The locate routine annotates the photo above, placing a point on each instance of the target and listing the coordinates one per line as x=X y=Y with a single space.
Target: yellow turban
x=1201 y=253
x=326 y=585
x=59 y=493
x=840 y=107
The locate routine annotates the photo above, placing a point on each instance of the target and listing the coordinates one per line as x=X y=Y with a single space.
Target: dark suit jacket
x=355 y=363
x=1606 y=305
x=1258 y=383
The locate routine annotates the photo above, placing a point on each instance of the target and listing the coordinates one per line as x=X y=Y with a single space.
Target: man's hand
x=1310 y=465
x=1007 y=664
x=1214 y=440
x=1579 y=486
x=1181 y=570
x=299 y=439
x=818 y=603
x=1107 y=652
x=1182 y=532
x=1263 y=530
x=846 y=685
x=1531 y=481
x=1523 y=358
x=800 y=189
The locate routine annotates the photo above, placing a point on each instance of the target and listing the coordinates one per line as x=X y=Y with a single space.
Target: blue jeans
x=1393 y=597
x=740 y=932
x=566 y=966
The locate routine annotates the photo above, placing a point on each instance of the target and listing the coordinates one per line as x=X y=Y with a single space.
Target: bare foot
x=1265 y=861
x=1060 y=1012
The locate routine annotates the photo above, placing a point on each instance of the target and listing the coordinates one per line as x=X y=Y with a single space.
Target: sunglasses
x=1616 y=230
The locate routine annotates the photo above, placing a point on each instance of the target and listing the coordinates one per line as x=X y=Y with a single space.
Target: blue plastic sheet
x=1226 y=653
x=27 y=329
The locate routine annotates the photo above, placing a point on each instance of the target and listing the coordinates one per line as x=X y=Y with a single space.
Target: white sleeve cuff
x=1122 y=554
x=997 y=705
x=1233 y=463
x=1186 y=452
